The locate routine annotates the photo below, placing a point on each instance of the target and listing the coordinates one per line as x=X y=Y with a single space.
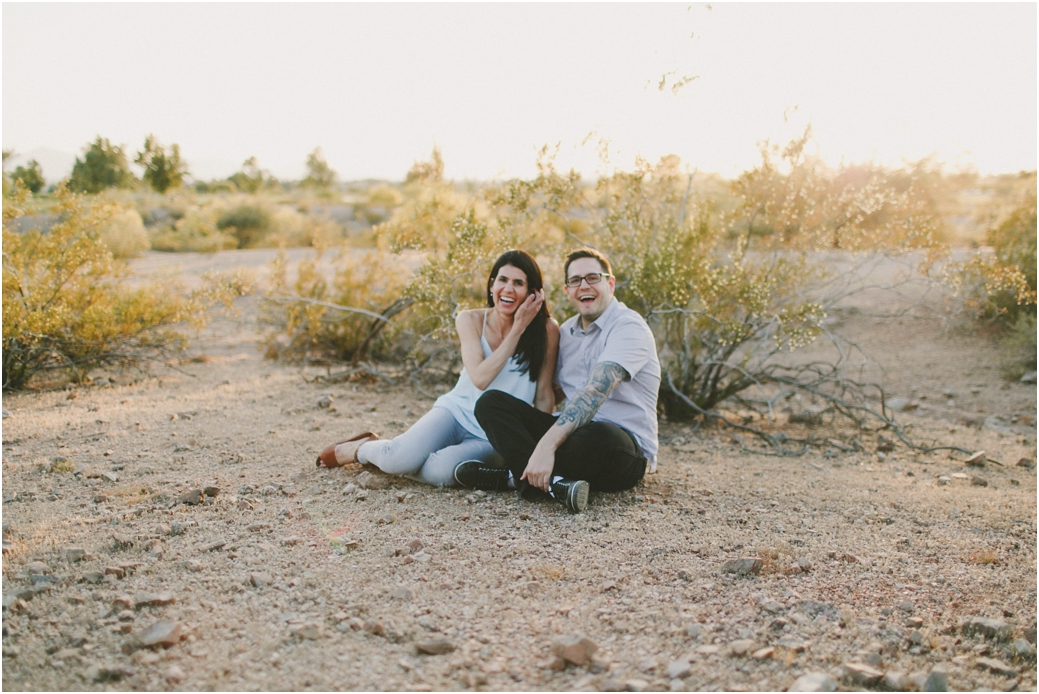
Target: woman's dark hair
x=533 y=343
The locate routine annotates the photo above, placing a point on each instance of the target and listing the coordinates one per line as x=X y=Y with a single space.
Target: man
x=606 y=432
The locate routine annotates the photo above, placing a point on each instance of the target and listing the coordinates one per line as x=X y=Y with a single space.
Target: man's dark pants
x=602 y=454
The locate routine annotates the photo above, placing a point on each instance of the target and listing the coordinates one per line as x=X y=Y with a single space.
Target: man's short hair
x=586 y=252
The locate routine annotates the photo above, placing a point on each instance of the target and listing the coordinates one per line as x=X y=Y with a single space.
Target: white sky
x=378 y=85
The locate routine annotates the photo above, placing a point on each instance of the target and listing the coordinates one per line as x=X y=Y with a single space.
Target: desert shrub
x=1019 y=347
x=215 y=187
x=290 y=228
x=66 y=309
x=124 y=234
x=313 y=319
x=196 y=232
x=1000 y=287
x=248 y=223
x=793 y=201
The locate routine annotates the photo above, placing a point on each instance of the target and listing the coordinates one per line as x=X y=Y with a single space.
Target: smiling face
x=590 y=300
x=508 y=289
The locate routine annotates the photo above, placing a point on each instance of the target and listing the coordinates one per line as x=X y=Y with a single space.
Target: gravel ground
x=171 y=532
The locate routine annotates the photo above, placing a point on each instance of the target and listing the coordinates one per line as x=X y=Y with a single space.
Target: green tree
x=162 y=169
x=319 y=173
x=30 y=176
x=103 y=165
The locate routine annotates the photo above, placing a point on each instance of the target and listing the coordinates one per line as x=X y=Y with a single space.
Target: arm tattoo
x=602 y=381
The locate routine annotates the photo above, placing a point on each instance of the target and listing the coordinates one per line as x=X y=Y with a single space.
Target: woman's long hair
x=533 y=343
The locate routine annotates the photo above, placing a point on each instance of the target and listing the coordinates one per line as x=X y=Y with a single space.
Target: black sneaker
x=476 y=474
x=573 y=493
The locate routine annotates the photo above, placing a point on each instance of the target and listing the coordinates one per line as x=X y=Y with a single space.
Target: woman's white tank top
x=461 y=400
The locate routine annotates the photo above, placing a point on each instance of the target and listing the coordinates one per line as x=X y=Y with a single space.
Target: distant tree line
x=104 y=165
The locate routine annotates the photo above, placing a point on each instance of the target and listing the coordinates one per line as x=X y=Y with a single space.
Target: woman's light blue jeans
x=429 y=451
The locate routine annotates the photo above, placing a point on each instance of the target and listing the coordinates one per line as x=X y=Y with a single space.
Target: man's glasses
x=590 y=278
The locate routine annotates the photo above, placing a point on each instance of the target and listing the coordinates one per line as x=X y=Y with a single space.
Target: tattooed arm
x=578 y=411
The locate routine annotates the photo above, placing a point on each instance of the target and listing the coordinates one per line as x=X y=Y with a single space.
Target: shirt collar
x=599 y=322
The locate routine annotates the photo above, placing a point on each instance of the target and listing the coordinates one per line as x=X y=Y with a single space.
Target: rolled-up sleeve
x=630 y=344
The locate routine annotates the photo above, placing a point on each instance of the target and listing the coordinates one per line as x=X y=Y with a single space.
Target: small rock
x=401 y=593
x=152 y=599
x=708 y=649
x=763 y=653
x=937 y=680
x=1020 y=649
x=260 y=580
x=813 y=682
x=897 y=404
x=741 y=647
x=747 y=566
x=124 y=602
x=309 y=631
x=944 y=480
x=678 y=669
x=325 y=402
x=110 y=476
x=636 y=685
x=676 y=685
x=121 y=541
x=211 y=492
x=439 y=646
x=907 y=606
x=989 y=628
x=574 y=649
x=693 y=630
x=885 y=445
x=895 y=682
x=213 y=546
x=772 y=607
x=290 y=541
x=174 y=674
x=37 y=567
x=192 y=498
x=647 y=666
x=1025 y=462
x=163 y=633
x=996 y=667
x=976 y=481
x=74 y=554
x=108 y=673
x=861 y=675
x=1029 y=377
x=93 y=576
x=976 y=460
x=116 y=571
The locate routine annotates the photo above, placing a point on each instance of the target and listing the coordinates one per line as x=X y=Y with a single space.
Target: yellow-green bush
x=124 y=234
x=65 y=307
x=195 y=232
x=345 y=320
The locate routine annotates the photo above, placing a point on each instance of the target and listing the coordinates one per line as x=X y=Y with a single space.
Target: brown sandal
x=327 y=458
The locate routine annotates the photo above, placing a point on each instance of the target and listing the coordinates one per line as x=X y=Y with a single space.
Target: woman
x=510 y=346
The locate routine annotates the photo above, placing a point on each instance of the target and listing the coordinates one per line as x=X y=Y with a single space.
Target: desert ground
x=169 y=530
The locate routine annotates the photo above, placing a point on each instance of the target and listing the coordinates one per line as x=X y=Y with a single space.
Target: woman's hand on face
x=530 y=307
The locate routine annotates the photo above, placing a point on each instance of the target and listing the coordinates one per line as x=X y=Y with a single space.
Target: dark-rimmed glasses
x=590 y=278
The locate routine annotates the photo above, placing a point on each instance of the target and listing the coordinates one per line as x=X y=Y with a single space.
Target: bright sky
x=378 y=85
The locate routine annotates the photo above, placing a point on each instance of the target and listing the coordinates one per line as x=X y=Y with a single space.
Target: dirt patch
x=171 y=531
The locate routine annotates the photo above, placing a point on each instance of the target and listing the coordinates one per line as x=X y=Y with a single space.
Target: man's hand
x=603 y=380
x=538 y=472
